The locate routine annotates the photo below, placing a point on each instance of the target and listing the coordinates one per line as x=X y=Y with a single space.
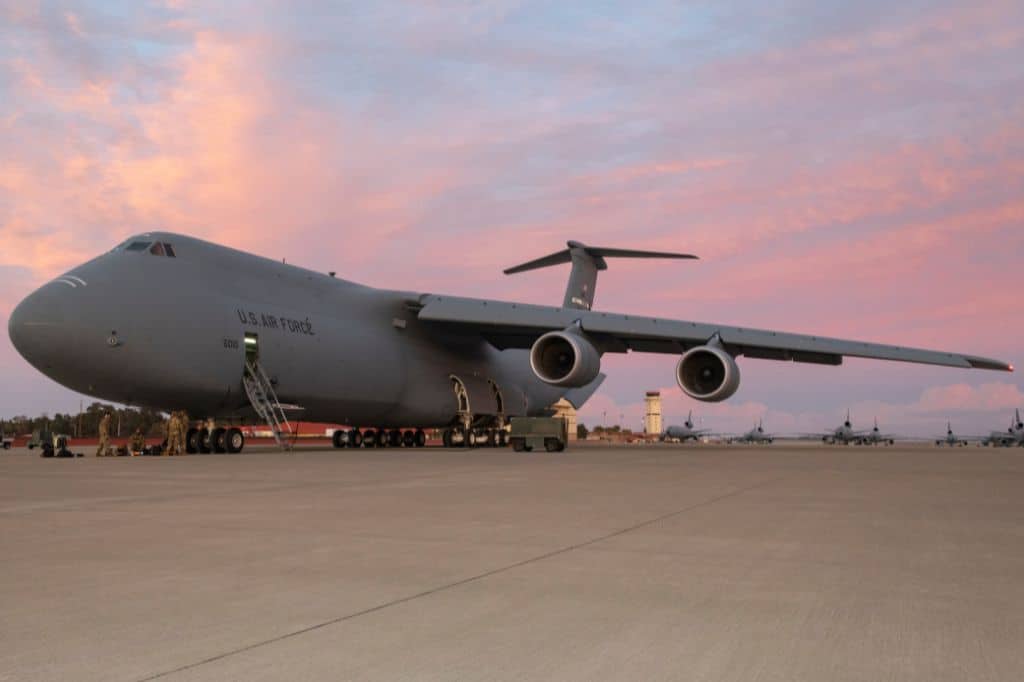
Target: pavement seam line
x=459 y=583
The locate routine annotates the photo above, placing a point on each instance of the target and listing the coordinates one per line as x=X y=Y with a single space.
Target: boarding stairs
x=264 y=400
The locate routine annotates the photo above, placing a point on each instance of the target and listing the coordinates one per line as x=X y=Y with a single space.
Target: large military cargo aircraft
x=169 y=321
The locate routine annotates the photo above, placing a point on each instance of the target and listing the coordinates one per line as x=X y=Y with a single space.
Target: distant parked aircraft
x=755 y=435
x=1011 y=436
x=842 y=434
x=876 y=437
x=951 y=439
x=685 y=432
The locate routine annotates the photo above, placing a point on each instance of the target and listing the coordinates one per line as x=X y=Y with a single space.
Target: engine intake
x=708 y=373
x=565 y=358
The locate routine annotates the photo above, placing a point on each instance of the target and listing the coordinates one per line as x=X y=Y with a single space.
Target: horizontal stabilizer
x=586 y=262
x=598 y=253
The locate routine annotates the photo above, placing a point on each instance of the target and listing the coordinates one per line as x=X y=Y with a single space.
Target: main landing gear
x=460 y=437
x=379 y=438
x=220 y=440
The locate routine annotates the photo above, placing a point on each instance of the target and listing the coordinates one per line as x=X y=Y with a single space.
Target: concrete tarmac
x=641 y=563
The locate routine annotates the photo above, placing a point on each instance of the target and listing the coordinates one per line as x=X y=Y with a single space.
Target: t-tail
x=586 y=262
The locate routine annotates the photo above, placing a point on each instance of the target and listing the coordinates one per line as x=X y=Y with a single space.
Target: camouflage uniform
x=172 y=435
x=182 y=432
x=137 y=443
x=104 y=444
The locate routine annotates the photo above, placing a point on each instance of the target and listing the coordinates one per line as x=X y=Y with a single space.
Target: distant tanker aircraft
x=1014 y=435
x=172 y=322
x=755 y=436
x=685 y=432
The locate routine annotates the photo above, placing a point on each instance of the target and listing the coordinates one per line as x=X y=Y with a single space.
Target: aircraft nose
x=39 y=323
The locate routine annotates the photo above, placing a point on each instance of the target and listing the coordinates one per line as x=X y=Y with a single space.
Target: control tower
x=652 y=415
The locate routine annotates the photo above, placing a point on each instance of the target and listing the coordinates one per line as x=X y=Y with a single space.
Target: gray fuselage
x=170 y=333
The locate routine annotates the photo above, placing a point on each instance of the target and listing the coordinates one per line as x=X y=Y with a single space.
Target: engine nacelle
x=565 y=358
x=708 y=373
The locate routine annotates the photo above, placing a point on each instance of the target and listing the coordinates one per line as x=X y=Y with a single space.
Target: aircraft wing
x=517 y=325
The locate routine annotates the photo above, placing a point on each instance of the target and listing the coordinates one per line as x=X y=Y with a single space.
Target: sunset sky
x=850 y=169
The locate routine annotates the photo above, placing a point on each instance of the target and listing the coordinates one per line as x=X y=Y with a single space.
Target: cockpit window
x=157 y=250
x=169 y=250
x=138 y=246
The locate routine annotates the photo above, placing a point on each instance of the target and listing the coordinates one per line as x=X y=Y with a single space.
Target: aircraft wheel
x=369 y=438
x=355 y=438
x=395 y=438
x=421 y=438
x=383 y=438
x=192 y=441
x=408 y=439
x=473 y=439
x=339 y=439
x=458 y=438
x=502 y=438
x=446 y=438
x=217 y=440
x=234 y=440
x=552 y=445
x=519 y=445
x=203 y=441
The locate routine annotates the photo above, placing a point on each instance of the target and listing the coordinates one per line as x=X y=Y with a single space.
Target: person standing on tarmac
x=104 y=443
x=172 y=435
x=182 y=432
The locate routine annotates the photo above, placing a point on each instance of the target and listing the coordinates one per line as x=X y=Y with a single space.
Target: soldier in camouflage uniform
x=182 y=432
x=104 y=444
x=172 y=435
x=137 y=443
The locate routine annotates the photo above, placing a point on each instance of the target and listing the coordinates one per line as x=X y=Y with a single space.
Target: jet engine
x=708 y=373
x=565 y=358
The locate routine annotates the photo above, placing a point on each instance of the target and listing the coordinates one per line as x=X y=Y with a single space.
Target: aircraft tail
x=586 y=262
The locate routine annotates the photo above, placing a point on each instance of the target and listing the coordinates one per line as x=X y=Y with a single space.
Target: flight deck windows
x=168 y=250
x=157 y=250
x=138 y=246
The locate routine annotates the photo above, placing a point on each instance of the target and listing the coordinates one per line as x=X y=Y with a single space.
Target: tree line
x=87 y=424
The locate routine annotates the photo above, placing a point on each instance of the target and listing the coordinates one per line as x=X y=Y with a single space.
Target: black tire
x=191 y=441
x=217 y=440
x=234 y=440
x=394 y=438
x=31 y=446
x=408 y=439
x=552 y=445
x=355 y=438
x=446 y=438
x=472 y=439
x=383 y=438
x=502 y=438
x=339 y=438
x=369 y=438
x=421 y=438
x=203 y=441
x=519 y=445
x=47 y=451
